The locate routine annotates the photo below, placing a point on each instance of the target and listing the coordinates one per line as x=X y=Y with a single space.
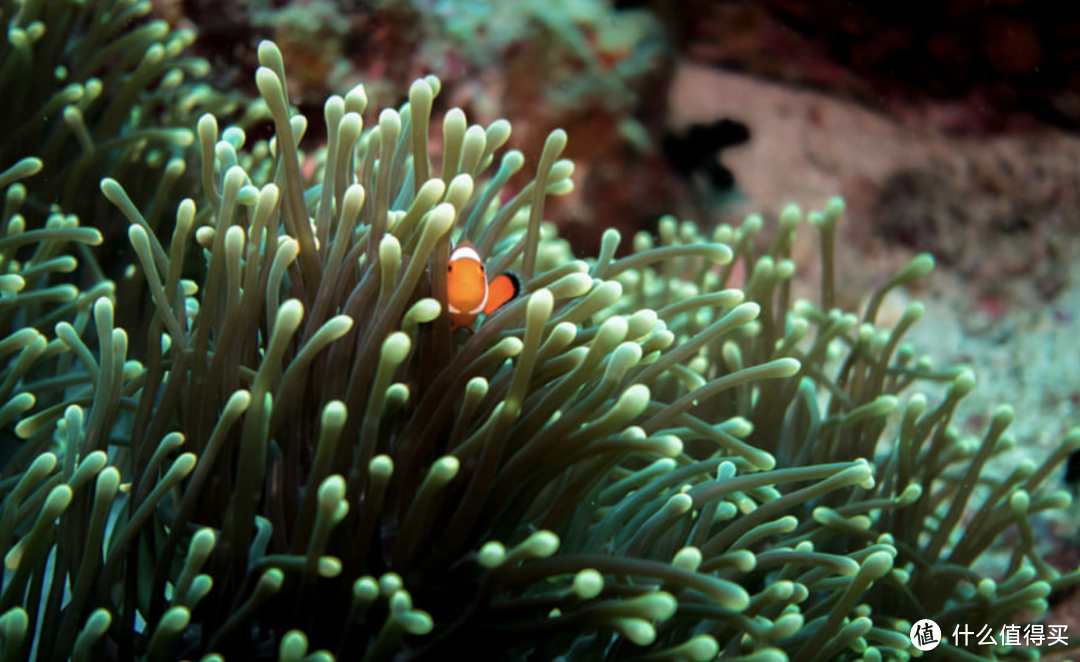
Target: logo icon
x=925 y=635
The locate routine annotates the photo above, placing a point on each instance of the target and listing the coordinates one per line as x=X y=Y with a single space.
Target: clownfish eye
x=483 y=268
x=450 y=267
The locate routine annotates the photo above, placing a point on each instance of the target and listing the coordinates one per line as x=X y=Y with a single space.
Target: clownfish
x=468 y=291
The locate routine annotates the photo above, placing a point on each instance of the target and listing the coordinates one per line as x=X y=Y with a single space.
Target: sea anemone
x=632 y=460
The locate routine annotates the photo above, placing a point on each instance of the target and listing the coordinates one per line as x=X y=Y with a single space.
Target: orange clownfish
x=468 y=291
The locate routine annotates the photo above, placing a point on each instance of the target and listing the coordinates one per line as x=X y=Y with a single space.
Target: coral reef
x=1004 y=63
x=635 y=460
x=596 y=71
